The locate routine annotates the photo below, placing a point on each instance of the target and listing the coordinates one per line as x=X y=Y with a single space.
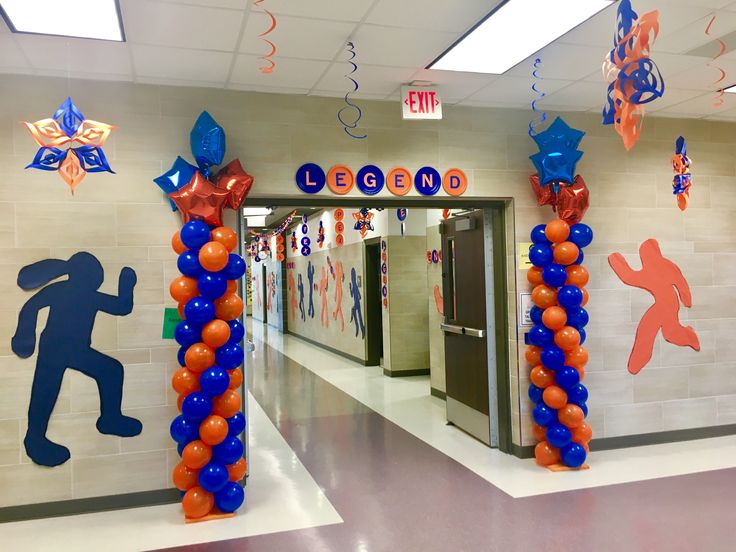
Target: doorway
x=264 y=293
x=373 y=312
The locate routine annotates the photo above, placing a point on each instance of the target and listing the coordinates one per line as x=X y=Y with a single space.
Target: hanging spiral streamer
x=350 y=105
x=718 y=99
x=267 y=58
x=540 y=116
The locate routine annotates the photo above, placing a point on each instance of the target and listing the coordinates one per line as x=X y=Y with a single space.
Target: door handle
x=462 y=330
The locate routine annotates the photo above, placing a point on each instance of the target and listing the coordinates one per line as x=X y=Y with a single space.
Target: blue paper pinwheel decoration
x=558 y=154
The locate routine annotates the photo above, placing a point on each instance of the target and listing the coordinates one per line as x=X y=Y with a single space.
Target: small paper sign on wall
x=522 y=249
x=171 y=320
x=421 y=102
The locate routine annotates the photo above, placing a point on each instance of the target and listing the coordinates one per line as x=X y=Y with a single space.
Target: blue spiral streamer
x=348 y=126
x=540 y=116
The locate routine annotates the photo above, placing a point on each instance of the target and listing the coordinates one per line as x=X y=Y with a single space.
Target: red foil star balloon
x=571 y=201
x=236 y=181
x=201 y=200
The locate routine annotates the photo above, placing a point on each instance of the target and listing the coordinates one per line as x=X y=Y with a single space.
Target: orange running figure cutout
x=665 y=281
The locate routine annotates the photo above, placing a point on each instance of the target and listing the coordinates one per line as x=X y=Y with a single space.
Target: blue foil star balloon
x=558 y=154
x=207 y=141
x=177 y=176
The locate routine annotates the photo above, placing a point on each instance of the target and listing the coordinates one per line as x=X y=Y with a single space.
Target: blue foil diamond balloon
x=207 y=141
x=558 y=154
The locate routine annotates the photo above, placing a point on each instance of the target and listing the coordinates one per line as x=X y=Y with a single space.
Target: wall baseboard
x=405 y=373
x=437 y=393
x=348 y=356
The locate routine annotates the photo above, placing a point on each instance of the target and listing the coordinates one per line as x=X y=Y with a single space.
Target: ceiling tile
x=292 y=73
x=229 y=4
x=688 y=32
x=455 y=85
x=178 y=63
x=394 y=47
x=296 y=37
x=702 y=105
x=360 y=95
x=185 y=26
x=596 y=31
x=335 y=10
x=582 y=95
x=456 y=16
x=269 y=89
x=514 y=90
x=562 y=61
x=371 y=79
x=672 y=96
x=702 y=76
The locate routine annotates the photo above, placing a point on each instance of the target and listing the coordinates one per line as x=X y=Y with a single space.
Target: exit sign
x=421 y=102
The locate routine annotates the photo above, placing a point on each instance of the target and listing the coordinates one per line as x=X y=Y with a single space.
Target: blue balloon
x=580 y=258
x=213 y=477
x=541 y=336
x=235 y=424
x=237 y=331
x=214 y=381
x=540 y=254
x=538 y=235
x=581 y=234
x=558 y=435
x=235 y=267
x=544 y=415
x=194 y=234
x=553 y=357
x=180 y=449
x=567 y=377
x=196 y=406
x=535 y=393
x=570 y=297
x=188 y=264
x=187 y=334
x=199 y=310
x=577 y=394
x=584 y=408
x=573 y=455
x=180 y=355
x=183 y=430
x=212 y=286
x=229 y=356
x=175 y=178
x=577 y=317
x=229 y=451
x=583 y=335
x=230 y=497
x=554 y=275
x=535 y=313
x=207 y=141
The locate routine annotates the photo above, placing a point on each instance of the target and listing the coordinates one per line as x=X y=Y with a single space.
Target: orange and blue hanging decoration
x=70 y=144
x=634 y=79
x=363 y=223
x=682 y=182
x=321 y=235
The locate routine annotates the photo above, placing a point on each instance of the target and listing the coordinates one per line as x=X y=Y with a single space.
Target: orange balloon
x=237 y=470
x=215 y=333
x=227 y=404
x=571 y=415
x=533 y=355
x=586 y=446
x=554 y=397
x=582 y=434
x=176 y=243
x=179 y=401
x=540 y=433
x=557 y=231
x=184 y=477
x=567 y=339
x=213 y=256
x=232 y=287
x=199 y=357
x=554 y=318
x=566 y=253
x=586 y=296
x=213 y=430
x=534 y=276
x=542 y=377
x=180 y=310
x=184 y=381
x=196 y=455
x=577 y=275
x=545 y=454
x=544 y=296
x=577 y=357
x=236 y=378
x=197 y=503
x=183 y=288
x=226 y=236
x=229 y=307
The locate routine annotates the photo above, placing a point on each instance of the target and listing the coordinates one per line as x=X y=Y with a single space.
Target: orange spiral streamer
x=271 y=64
x=718 y=99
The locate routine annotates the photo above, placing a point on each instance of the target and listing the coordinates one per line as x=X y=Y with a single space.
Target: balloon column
x=211 y=420
x=555 y=342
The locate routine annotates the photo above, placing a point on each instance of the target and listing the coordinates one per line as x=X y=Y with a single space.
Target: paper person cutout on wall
x=324 y=313
x=292 y=291
x=664 y=280
x=300 y=286
x=310 y=277
x=438 y=300
x=66 y=342
x=356 y=314
x=339 y=276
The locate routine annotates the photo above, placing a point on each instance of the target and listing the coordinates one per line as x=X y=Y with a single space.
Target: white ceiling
x=214 y=43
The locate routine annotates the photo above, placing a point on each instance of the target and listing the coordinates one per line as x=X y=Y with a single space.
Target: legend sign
x=421 y=102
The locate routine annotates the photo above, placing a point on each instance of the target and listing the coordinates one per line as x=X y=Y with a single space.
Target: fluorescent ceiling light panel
x=731 y=89
x=256 y=211
x=74 y=18
x=515 y=31
x=256 y=222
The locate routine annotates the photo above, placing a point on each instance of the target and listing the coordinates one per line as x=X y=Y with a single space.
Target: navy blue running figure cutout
x=356 y=315
x=310 y=277
x=66 y=342
x=300 y=287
